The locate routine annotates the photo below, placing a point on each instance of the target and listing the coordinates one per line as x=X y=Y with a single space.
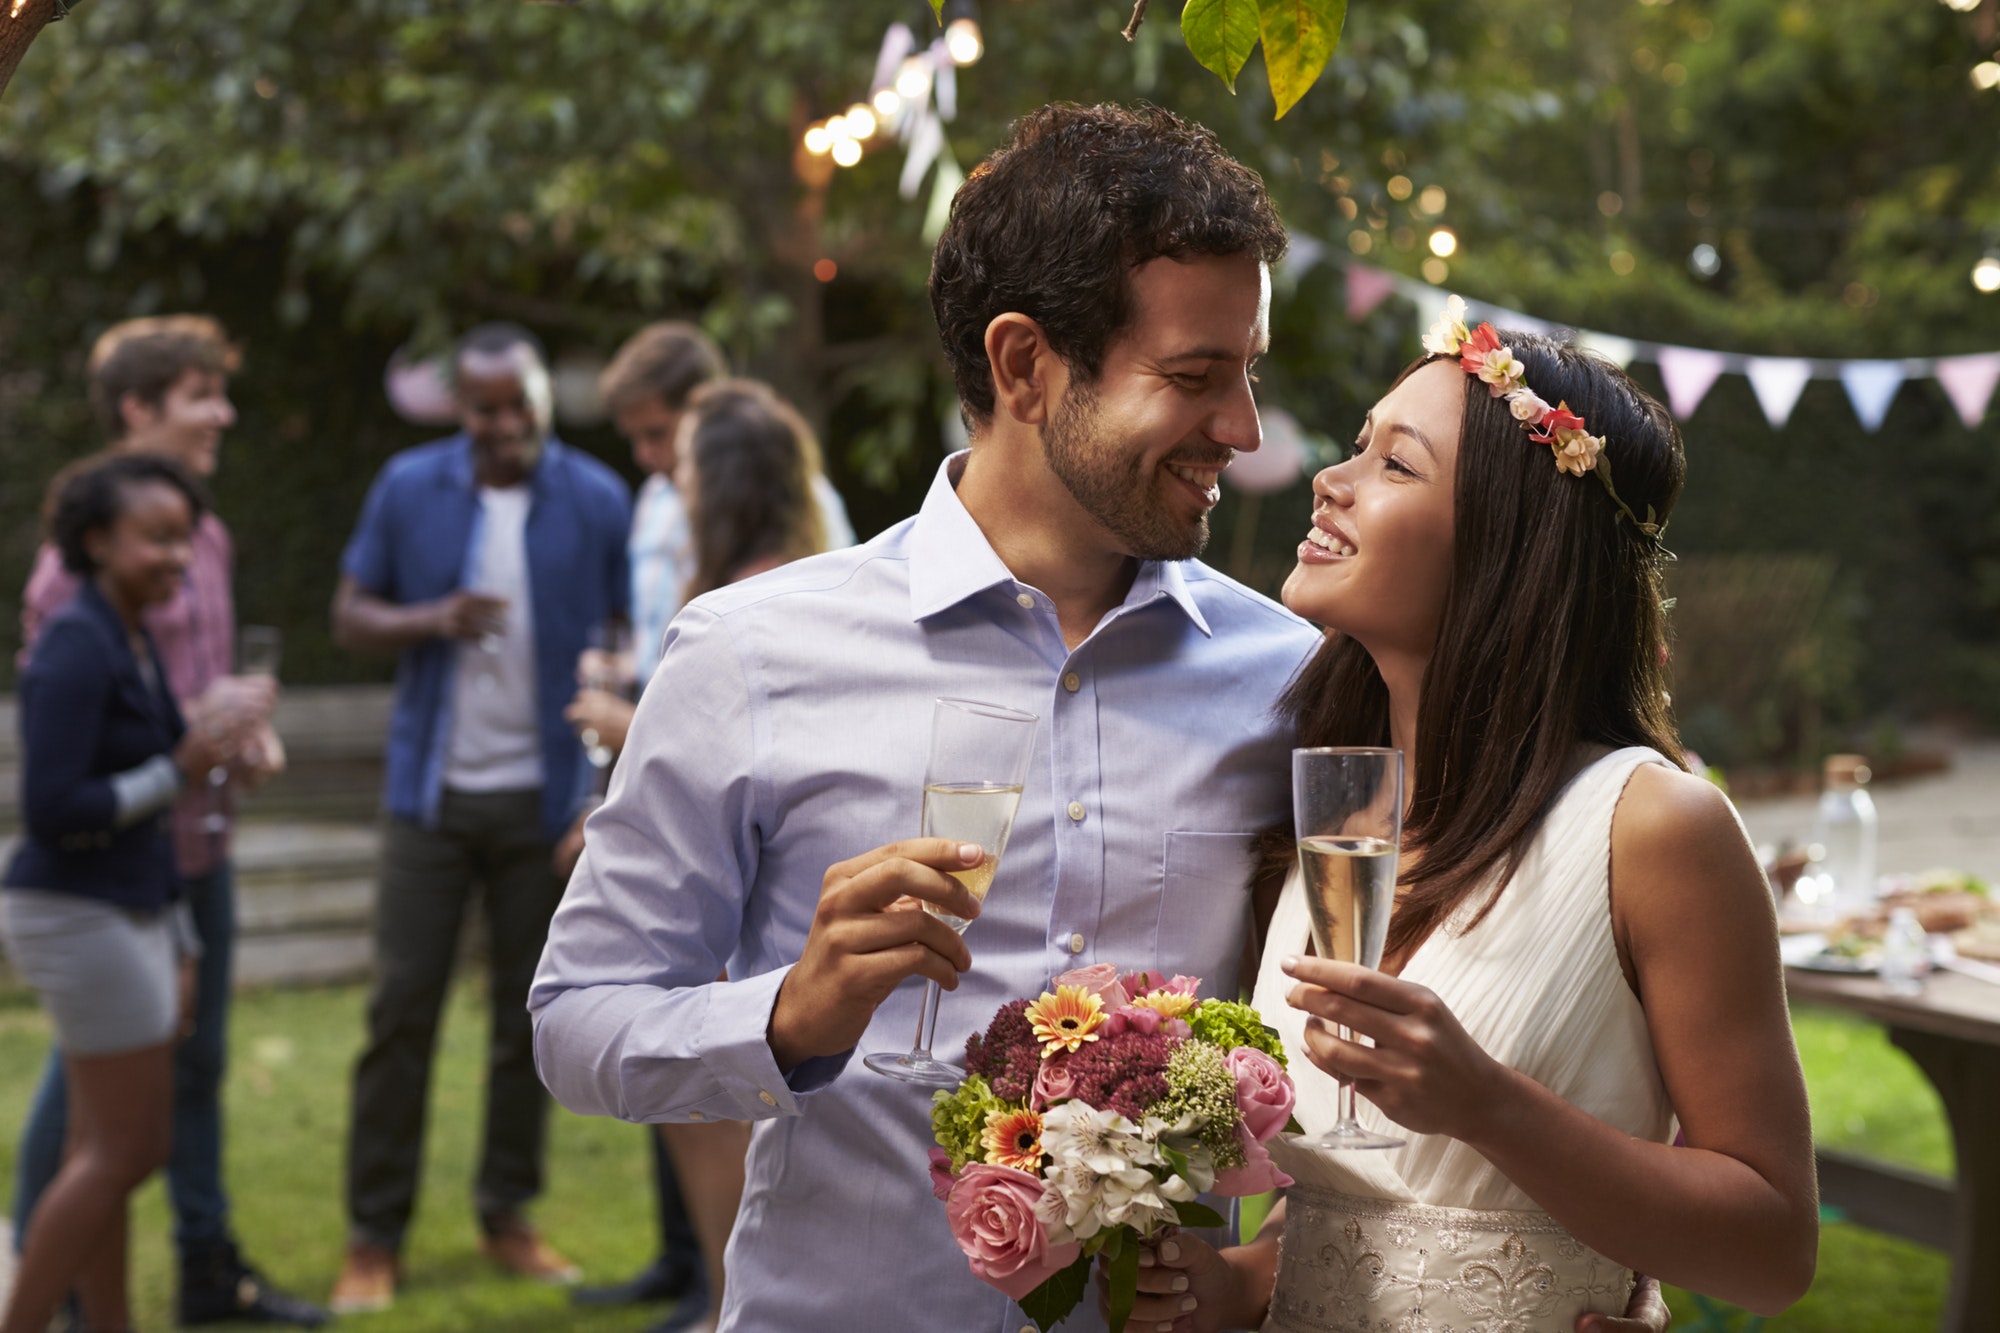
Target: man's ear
x=136 y=413
x=1027 y=374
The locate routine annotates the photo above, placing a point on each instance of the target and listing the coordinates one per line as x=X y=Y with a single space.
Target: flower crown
x=1577 y=451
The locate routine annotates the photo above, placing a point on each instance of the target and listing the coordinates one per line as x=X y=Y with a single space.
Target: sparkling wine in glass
x=606 y=665
x=972 y=788
x=259 y=648
x=1347 y=807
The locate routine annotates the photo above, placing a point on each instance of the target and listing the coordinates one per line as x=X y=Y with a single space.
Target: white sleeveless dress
x=1430 y=1237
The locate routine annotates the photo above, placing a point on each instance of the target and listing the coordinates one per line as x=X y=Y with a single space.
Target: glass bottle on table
x=1347 y=811
x=1845 y=832
x=972 y=789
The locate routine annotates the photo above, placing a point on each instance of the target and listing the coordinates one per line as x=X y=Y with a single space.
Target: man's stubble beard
x=1108 y=482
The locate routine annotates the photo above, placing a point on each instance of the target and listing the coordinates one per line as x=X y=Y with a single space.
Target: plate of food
x=1845 y=951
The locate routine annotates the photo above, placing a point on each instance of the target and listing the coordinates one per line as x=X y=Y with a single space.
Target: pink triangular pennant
x=1969 y=381
x=1778 y=381
x=1689 y=373
x=1367 y=288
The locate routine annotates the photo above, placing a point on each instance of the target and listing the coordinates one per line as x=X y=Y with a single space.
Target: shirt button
x=767 y=1099
x=1076 y=811
x=1076 y=943
x=1072 y=682
x=1025 y=599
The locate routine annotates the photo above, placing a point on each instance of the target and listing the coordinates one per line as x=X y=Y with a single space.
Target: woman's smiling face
x=1377 y=562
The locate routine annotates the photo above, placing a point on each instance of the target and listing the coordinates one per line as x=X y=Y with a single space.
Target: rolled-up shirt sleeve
x=630 y=1020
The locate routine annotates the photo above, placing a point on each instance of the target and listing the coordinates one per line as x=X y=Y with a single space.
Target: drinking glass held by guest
x=482 y=561
x=745 y=466
x=160 y=385
x=92 y=910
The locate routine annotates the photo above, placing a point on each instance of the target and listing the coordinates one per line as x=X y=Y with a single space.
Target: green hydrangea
x=1229 y=1025
x=958 y=1118
x=1199 y=1083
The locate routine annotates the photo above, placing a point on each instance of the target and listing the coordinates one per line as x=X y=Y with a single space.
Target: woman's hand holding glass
x=1424 y=1071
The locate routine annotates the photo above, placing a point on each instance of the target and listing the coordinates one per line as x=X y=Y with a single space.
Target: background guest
x=483 y=561
x=92 y=911
x=160 y=386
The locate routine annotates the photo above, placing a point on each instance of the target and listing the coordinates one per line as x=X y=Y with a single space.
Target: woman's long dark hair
x=754 y=461
x=1553 y=633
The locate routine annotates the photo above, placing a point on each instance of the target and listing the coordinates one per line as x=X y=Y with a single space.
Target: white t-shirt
x=494 y=741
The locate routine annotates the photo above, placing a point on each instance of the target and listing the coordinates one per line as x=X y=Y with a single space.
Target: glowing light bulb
x=888 y=102
x=1986 y=274
x=818 y=140
x=847 y=152
x=837 y=130
x=1986 y=74
x=1962 y=6
x=861 y=121
x=913 y=79
x=963 y=42
x=1444 y=244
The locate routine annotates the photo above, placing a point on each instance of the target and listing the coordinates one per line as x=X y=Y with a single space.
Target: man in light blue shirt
x=1102 y=341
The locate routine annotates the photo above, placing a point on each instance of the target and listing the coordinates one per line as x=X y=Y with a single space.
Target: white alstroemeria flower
x=1527 y=405
x=1449 y=331
x=1104 y=1141
x=1501 y=371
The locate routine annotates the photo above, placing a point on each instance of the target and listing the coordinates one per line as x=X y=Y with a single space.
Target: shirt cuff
x=146 y=790
x=735 y=1046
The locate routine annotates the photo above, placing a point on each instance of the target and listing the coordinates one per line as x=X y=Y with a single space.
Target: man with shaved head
x=483 y=561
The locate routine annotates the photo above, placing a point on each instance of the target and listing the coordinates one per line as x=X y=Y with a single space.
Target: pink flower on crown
x=1558 y=419
x=1493 y=364
x=1527 y=406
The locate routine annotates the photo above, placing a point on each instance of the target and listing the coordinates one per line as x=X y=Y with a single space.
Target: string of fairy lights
x=913 y=90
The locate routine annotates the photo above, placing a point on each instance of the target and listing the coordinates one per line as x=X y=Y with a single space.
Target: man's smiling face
x=1142 y=449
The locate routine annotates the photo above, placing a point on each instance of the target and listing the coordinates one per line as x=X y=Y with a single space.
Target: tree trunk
x=21 y=21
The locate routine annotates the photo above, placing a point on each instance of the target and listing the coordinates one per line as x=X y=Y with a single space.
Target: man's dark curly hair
x=93 y=498
x=1052 y=224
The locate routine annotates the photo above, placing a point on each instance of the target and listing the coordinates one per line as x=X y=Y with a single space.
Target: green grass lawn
x=287 y=1102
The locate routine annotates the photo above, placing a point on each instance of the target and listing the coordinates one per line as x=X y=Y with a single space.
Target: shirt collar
x=951 y=560
x=462 y=474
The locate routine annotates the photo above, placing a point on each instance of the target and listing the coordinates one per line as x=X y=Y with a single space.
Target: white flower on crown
x=1450 y=331
x=1527 y=405
x=1501 y=371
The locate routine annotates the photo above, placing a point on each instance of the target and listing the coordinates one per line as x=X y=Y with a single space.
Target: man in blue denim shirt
x=484 y=561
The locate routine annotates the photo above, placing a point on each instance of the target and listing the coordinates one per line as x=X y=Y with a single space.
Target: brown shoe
x=519 y=1249
x=367 y=1281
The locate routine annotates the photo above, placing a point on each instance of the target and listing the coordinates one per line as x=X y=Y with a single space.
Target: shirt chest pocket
x=1205 y=907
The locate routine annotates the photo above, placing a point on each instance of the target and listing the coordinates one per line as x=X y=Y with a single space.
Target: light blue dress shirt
x=785 y=730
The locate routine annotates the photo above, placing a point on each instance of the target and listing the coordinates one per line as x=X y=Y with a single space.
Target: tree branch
x=1138 y=17
x=21 y=21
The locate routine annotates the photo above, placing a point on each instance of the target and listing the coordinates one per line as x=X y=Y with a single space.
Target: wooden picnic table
x=1952 y=1031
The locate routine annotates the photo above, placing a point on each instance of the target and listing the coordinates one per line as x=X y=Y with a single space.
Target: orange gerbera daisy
x=1014 y=1138
x=1065 y=1020
x=1168 y=1003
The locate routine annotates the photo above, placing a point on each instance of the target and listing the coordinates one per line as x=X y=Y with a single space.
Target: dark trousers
x=679 y=1247
x=194 y=1171
x=490 y=842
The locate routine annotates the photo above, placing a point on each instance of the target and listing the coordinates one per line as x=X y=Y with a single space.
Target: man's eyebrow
x=1405 y=428
x=1213 y=354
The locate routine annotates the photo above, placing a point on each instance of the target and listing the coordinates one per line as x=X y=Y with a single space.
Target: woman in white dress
x=1583 y=957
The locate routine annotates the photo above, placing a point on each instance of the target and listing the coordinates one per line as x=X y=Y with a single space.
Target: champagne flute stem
x=927 y=1019
x=1347 y=1107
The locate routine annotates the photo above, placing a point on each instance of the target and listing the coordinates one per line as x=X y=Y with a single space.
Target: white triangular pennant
x=1969 y=382
x=1689 y=373
x=1778 y=381
x=1871 y=386
x=926 y=141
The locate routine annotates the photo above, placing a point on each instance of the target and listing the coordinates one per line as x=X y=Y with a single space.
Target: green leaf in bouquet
x=1050 y=1303
x=1124 y=1277
x=1292 y=1126
x=1221 y=34
x=1197 y=1215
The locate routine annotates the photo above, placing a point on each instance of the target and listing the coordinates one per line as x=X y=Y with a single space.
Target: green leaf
x=937 y=8
x=1050 y=1303
x=1197 y=1215
x=1221 y=34
x=1124 y=1285
x=1299 y=37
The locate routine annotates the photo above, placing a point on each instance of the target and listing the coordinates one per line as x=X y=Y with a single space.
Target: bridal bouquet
x=1090 y=1119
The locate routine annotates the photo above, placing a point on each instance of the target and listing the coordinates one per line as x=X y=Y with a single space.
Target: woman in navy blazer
x=89 y=908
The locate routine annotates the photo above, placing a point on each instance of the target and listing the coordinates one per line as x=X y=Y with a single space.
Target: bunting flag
x=1969 y=381
x=1871 y=386
x=1689 y=373
x=1366 y=288
x=1778 y=381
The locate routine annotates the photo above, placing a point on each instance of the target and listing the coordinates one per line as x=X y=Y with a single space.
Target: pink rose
x=1053 y=1081
x=1264 y=1091
x=1133 y=1018
x=1143 y=981
x=1100 y=979
x=941 y=1177
x=1258 y=1174
x=992 y=1216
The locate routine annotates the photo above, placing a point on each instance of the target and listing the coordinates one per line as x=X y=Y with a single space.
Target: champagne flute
x=972 y=787
x=258 y=651
x=607 y=665
x=1347 y=809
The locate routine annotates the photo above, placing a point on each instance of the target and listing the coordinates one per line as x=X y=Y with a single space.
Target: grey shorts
x=106 y=974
